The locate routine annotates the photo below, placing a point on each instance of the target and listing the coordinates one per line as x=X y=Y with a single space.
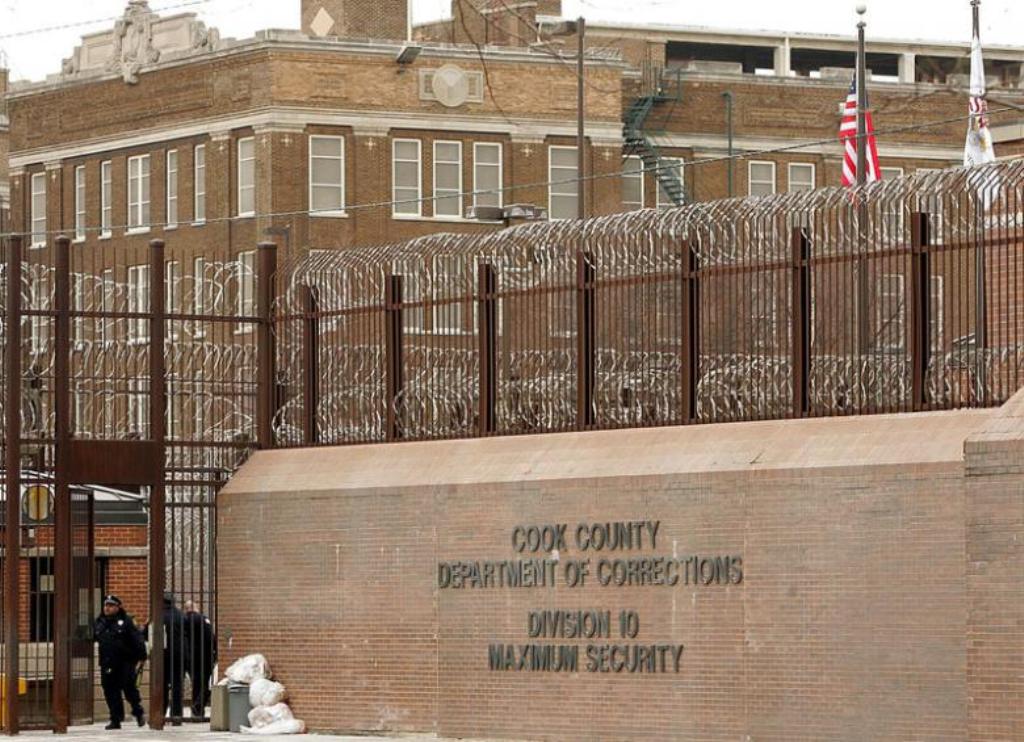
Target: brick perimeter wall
x=861 y=607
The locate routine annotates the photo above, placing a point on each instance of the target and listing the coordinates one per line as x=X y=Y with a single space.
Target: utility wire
x=538 y=184
x=79 y=24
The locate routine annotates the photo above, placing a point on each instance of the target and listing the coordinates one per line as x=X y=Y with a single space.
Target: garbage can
x=238 y=706
x=219 y=709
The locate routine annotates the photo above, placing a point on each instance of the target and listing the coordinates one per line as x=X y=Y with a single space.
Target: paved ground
x=200 y=732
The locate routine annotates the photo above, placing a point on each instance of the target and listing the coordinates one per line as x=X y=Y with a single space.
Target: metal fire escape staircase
x=638 y=142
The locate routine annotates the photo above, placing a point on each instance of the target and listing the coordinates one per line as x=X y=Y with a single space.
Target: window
x=761 y=176
x=889 y=173
x=138 y=193
x=106 y=200
x=937 y=308
x=246 y=273
x=930 y=203
x=138 y=406
x=487 y=174
x=673 y=168
x=327 y=176
x=138 y=302
x=172 y=188
x=108 y=290
x=172 y=295
x=199 y=184
x=80 y=203
x=801 y=177
x=563 y=190
x=412 y=292
x=633 y=184
x=450 y=282
x=889 y=314
x=39 y=210
x=39 y=325
x=406 y=177
x=448 y=179
x=199 y=298
x=247 y=177
x=78 y=285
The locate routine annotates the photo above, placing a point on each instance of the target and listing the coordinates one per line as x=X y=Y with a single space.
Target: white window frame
x=411 y=271
x=199 y=297
x=138 y=206
x=894 y=303
x=481 y=189
x=38 y=204
x=638 y=175
x=340 y=186
x=395 y=188
x=199 y=185
x=172 y=295
x=78 y=285
x=106 y=199
x=138 y=406
x=171 y=220
x=80 y=203
x=559 y=178
x=751 y=182
x=888 y=173
x=108 y=293
x=803 y=165
x=246 y=187
x=138 y=303
x=670 y=163
x=449 y=193
x=450 y=319
x=245 y=300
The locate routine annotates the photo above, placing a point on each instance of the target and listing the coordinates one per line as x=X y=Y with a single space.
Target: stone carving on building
x=133 y=41
x=451 y=86
x=139 y=38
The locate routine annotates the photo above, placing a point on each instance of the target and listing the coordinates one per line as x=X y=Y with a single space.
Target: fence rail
x=901 y=296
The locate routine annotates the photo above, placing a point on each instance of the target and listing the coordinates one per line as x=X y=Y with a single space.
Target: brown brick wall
x=360 y=19
x=866 y=610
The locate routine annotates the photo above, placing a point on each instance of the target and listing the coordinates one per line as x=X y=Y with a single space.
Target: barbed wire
x=739 y=156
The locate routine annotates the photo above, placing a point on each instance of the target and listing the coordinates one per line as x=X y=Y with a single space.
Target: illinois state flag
x=979 y=149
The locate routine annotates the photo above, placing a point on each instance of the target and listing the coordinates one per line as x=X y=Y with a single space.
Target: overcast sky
x=35 y=55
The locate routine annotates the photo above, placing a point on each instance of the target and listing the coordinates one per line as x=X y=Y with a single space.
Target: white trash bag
x=285 y=726
x=263 y=692
x=263 y=716
x=249 y=668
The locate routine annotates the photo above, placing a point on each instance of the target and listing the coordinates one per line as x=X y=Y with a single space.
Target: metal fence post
x=310 y=364
x=801 y=317
x=585 y=341
x=12 y=464
x=690 y=341
x=920 y=307
x=394 y=362
x=157 y=496
x=266 y=273
x=62 y=511
x=487 y=319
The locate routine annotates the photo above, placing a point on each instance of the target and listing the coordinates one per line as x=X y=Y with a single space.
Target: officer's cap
x=112 y=600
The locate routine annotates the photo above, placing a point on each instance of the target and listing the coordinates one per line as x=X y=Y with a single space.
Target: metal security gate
x=91 y=411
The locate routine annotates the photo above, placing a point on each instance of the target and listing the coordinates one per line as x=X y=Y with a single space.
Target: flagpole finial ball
x=862 y=9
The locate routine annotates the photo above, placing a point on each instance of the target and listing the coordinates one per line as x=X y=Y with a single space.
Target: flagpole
x=980 y=300
x=862 y=101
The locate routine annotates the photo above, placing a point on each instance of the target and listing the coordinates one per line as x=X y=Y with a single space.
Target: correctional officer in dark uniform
x=121 y=650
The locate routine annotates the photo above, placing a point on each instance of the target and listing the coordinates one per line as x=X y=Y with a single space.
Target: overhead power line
x=109 y=19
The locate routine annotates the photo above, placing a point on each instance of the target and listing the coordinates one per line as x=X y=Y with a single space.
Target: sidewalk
x=131 y=732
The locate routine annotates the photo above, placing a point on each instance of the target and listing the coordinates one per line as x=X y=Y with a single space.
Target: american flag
x=848 y=136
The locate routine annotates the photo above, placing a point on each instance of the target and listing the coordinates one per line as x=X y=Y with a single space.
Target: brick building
x=5 y=130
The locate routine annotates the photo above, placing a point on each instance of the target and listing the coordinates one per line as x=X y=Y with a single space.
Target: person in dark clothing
x=202 y=655
x=122 y=648
x=175 y=655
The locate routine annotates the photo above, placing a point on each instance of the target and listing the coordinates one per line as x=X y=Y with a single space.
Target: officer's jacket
x=119 y=640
